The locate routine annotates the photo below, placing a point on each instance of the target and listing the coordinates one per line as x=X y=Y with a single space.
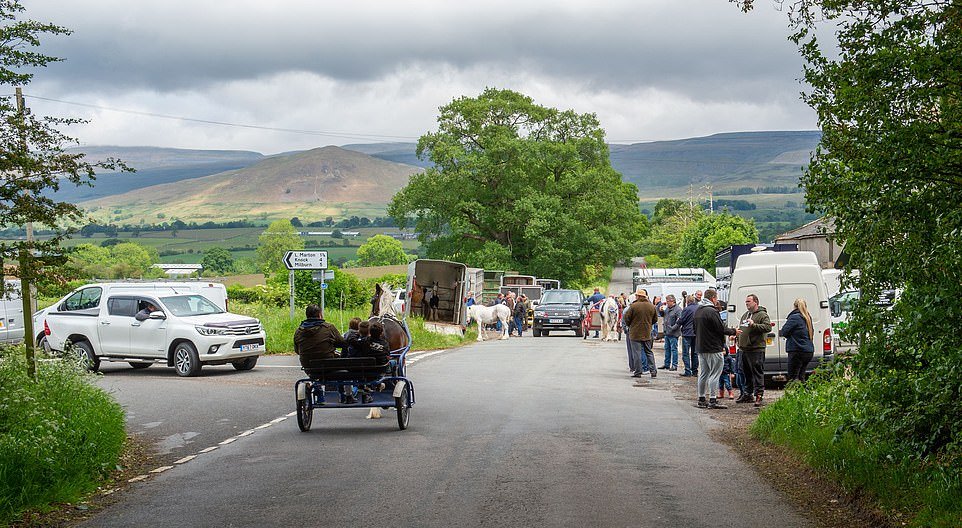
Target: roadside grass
x=59 y=435
x=812 y=420
x=280 y=327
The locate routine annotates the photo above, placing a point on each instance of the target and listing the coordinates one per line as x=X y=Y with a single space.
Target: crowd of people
x=703 y=336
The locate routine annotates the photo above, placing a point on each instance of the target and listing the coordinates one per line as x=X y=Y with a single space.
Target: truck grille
x=243 y=330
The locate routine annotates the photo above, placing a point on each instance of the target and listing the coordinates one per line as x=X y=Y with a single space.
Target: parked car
x=181 y=330
x=559 y=310
x=398 y=302
x=11 y=313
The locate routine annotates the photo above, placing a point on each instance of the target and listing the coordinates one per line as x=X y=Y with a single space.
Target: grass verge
x=812 y=420
x=59 y=435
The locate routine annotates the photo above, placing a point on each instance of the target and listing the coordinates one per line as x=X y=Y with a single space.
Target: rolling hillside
x=312 y=184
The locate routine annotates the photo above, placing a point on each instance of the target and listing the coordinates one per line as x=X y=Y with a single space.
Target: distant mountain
x=396 y=152
x=143 y=158
x=724 y=160
x=153 y=166
x=306 y=181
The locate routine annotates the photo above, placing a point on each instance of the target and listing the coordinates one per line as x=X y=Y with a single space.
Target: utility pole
x=711 y=199
x=26 y=257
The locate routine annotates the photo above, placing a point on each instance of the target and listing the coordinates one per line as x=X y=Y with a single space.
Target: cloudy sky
x=361 y=71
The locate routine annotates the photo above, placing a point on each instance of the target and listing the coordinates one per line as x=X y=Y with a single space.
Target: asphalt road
x=524 y=432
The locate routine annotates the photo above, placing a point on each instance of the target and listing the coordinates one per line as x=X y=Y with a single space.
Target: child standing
x=725 y=381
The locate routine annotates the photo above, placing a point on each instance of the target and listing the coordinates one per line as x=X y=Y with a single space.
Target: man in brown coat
x=315 y=338
x=639 y=317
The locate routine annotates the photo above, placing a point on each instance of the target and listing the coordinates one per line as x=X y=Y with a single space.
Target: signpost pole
x=290 y=282
x=322 y=294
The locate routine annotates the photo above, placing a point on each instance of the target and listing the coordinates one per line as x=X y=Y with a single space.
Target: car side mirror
x=158 y=315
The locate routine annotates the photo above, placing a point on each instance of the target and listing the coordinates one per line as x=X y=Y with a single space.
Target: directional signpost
x=306 y=260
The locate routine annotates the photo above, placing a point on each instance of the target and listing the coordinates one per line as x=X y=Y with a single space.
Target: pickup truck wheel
x=86 y=357
x=139 y=364
x=186 y=362
x=245 y=364
x=44 y=344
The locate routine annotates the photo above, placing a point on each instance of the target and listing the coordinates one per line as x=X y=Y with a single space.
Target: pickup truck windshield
x=561 y=297
x=187 y=305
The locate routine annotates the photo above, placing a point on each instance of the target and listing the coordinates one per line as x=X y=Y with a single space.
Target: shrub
x=59 y=435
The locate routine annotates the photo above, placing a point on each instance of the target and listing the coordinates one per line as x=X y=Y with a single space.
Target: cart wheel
x=403 y=410
x=305 y=412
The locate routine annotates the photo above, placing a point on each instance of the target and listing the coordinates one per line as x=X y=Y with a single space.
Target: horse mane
x=385 y=303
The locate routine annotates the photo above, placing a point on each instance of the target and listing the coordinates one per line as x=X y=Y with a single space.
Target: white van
x=778 y=278
x=11 y=313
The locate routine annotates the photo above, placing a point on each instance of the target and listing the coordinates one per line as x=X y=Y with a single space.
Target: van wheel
x=186 y=362
x=86 y=357
x=245 y=364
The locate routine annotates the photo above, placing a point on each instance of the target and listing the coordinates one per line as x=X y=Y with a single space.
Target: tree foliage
x=381 y=250
x=889 y=171
x=713 y=232
x=670 y=220
x=279 y=238
x=118 y=261
x=518 y=185
x=218 y=260
x=33 y=159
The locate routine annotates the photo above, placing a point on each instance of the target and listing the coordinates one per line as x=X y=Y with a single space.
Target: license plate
x=248 y=348
x=556 y=321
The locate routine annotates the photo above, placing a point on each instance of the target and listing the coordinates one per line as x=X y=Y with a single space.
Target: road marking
x=413 y=358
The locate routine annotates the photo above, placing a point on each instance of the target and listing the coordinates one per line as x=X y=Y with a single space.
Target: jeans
x=753 y=364
x=686 y=353
x=516 y=323
x=644 y=357
x=709 y=374
x=740 y=374
x=797 y=364
x=671 y=351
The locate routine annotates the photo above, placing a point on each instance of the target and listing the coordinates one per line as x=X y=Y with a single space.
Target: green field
x=188 y=245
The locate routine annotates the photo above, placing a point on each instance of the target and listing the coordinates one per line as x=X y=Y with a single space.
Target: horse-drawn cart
x=342 y=383
x=595 y=319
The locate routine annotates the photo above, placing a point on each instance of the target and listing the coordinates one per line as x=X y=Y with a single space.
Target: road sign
x=323 y=285
x=306 y=260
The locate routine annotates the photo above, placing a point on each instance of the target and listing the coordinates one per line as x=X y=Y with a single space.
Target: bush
x=823 y=419
x=59 y=435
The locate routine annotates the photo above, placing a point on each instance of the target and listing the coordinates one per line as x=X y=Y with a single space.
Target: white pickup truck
x=183 y=329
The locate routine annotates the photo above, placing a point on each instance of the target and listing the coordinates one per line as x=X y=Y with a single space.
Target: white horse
x=488 y=315
x=609 y=319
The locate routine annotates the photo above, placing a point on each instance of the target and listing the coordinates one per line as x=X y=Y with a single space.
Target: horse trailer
x=447 y=280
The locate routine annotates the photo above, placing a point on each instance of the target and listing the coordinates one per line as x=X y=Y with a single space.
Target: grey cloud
x=705 y=50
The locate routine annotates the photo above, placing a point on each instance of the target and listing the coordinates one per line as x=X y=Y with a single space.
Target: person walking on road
x=799 y=345
x=710 y=335
x=639 y=317
x=687 y=322
x=672 y=332
x=520 y=310
x=754 y=325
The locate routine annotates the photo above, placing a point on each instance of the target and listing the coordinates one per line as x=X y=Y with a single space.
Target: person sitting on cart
x=316 y=338
x=352 y=337
x=375 y=346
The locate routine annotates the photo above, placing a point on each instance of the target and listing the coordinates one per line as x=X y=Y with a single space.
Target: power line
x=325 y=133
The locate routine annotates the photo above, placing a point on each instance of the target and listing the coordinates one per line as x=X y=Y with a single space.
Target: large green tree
x=518 y=185
x=888 y=93
x=279 y=238
x=218 y=260
x=669 y=222
x=381 y=250
x=710 y=233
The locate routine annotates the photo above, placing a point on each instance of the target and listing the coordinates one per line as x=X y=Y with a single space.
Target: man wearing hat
x=639 y=318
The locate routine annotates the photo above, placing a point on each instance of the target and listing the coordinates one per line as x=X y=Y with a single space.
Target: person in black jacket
x=710 y=339
x=799 y=344
x=687 y=321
